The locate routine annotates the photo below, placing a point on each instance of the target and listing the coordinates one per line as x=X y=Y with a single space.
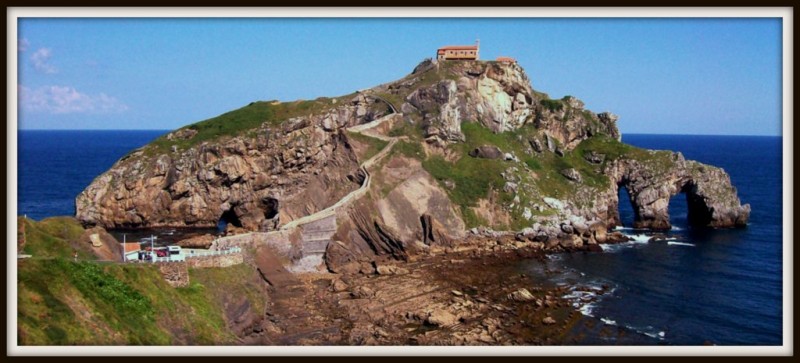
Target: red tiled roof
x=131 y=247
x=506 y=59
x=469 y=47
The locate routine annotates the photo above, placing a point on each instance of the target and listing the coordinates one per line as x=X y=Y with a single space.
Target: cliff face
x=500 y=97
x=254 y=179
x=474 y=138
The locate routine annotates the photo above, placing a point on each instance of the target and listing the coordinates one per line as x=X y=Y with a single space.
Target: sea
x=691 y=287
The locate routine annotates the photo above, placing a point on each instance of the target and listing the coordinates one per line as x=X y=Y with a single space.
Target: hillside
x=62 y=301
x=474 y=145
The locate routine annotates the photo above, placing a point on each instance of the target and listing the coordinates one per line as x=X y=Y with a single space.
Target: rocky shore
x=474 y=294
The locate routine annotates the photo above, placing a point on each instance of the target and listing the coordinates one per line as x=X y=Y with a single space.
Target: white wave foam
x=674 y=228
x=635 y=240
x=639 y=238
x=648 y=331
x=680 y=244
x=587 y=309
x=608 y=321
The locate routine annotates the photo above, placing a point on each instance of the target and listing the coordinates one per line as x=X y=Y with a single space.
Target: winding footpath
x=361 y=129
x=318 y=228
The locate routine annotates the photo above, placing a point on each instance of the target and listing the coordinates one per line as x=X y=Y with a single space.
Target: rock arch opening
x=698 y=213
x=228 y=217
x=627 y=213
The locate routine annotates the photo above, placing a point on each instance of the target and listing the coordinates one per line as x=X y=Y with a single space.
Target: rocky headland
x=395 y=201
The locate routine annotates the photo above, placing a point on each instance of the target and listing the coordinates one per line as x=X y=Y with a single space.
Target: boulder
x=487 y=152
x=536 y=145
x=521 y=295
x=338 y=285
x=441 y=318
x=203 y=241
x=594 y=157
x=572 y=174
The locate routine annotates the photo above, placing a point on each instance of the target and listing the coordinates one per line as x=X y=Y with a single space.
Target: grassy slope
x=374 y=145
x=65 y=302
x=245 y=119
x=539 y=177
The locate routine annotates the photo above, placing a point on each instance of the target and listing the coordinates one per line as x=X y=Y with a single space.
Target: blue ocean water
x=701 y=286
x=55 y=166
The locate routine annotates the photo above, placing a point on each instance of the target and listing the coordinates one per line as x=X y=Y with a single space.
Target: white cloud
x=40 y=59
x=64 y=99
x=22 y=45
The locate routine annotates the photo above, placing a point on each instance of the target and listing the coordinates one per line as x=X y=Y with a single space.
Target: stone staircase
x=315 y=238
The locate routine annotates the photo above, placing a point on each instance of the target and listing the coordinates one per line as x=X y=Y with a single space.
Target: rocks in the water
x=548 y=320
x=487 y=152
x=521 y=295
x=202 y=241
x=572 y=174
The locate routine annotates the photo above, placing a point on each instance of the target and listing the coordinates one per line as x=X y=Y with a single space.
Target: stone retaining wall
x=176 y=274
x=215 y=261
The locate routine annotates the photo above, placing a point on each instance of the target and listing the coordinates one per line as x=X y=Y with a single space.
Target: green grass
x=411 y=149
x=552 y=105
x=474 y=178
x=244 y=119
x=55 y=237
x=62 y=302
x=374 y=145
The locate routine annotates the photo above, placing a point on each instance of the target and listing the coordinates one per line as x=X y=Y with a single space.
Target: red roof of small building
x=467 y=47
x=132 y=247
x=506 y=59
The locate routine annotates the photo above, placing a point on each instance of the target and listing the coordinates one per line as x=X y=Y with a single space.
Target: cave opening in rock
x=697 y=211
x=228 y=217
x=270 y=206
x=678 y=210
x=626 y=209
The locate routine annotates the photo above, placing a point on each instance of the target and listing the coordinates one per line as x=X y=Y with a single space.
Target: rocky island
x=375 y=217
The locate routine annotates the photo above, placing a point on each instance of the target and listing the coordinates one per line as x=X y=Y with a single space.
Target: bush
x=552 y=105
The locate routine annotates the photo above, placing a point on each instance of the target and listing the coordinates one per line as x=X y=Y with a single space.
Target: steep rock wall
x=268 y=176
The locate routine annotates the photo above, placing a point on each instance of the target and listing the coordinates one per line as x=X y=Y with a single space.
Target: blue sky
x=666 y=76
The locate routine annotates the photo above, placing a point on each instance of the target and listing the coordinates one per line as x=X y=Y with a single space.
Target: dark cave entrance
x=270 y=206
x=228 y=217
x=696 y=211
